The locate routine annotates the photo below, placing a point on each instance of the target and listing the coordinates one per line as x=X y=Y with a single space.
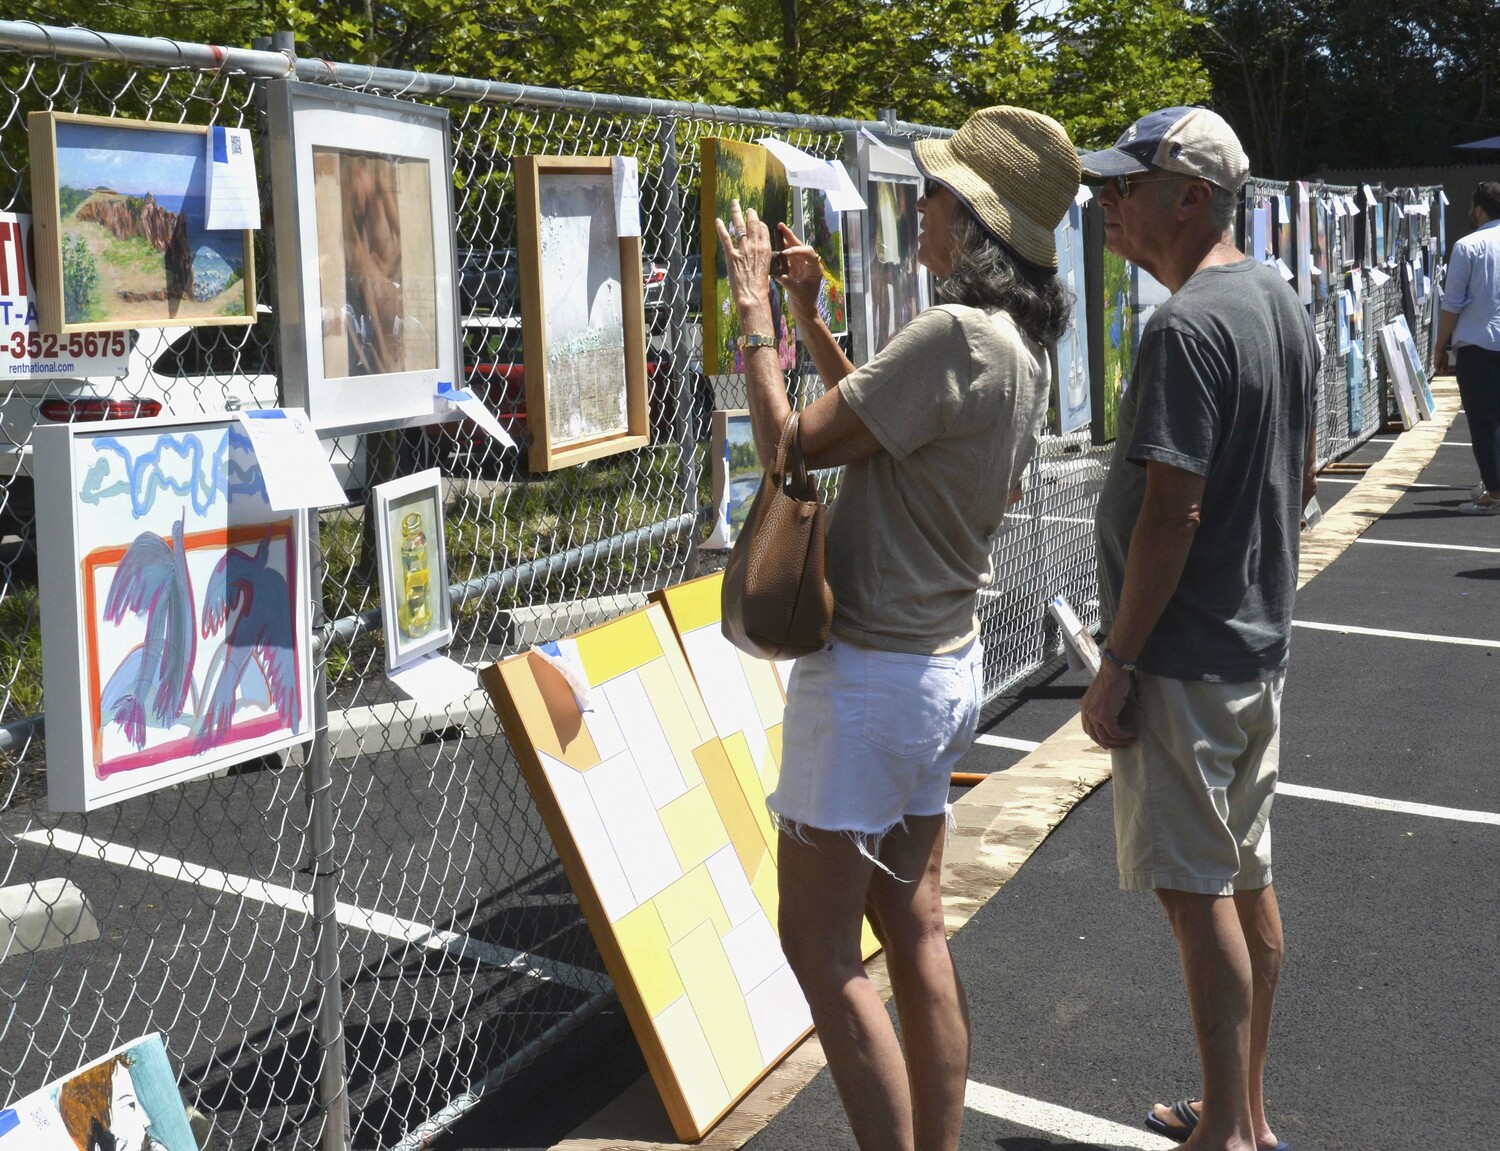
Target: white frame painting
x=176 y=635
x=891 y=184
x=737 y=474
x=413 y=560
x=368 y=303
x=1074 y=397
x=1398 y=371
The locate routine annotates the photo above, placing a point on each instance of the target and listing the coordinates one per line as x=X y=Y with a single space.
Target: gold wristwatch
x=757 y=340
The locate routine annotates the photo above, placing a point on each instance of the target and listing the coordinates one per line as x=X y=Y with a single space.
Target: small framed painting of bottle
x=413 y=567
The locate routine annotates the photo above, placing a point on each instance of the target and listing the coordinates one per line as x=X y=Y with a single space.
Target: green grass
x=20 y=653
x=133 y=255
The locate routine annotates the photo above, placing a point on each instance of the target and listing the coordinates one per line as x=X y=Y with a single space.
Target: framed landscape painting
x=362 y=188
x=1070 y=390
x=583 y=327
x=175 y=633
x=413 y=566
x=119 y=208
x=734 y=170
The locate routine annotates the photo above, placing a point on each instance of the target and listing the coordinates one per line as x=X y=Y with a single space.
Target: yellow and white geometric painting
x=663 y=832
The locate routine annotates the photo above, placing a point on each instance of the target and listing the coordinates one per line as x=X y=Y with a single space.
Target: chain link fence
x=347 y=951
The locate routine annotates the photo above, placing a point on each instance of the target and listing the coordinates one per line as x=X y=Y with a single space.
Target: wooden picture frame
x=413 y=564
x=177 y=635
x=366 y=256
x=126 y=247
x=585 y=368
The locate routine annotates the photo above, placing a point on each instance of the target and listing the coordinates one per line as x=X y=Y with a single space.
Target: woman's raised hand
x=804 y=273
x=746 y=243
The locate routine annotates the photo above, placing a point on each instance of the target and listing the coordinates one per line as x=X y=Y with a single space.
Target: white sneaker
x=1487 y=504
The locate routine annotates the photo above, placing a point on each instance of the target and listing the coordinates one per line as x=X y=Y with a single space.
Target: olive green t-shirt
x=956 y=400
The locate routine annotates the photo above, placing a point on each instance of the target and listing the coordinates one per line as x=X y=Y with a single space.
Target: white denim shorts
x=871 y=737
x=1193 y=793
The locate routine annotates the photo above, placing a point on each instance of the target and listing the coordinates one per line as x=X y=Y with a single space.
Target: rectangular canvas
x=1286 y=248
x=1398 y=373
x=1354 y=378
x=1318 y=218
x=178 y=641
x=736 y=474
x=1303 y=264
x=821 y=227
x=657 y=822
x=583 y=326
x=127 y=1099
x=897 y=284
x=1421 y=387
x=120 y=212
x=362 y=188
x=1071 y=397
x=1260 y=231
x=735 y=170
x=413 y=566
x=1117 y=340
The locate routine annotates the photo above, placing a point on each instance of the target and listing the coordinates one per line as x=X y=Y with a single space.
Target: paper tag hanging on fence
x=1370 y=200
x=474 y=408
x=804 y=170
x=231 y=191
x=434 y=681
x=1078 y=642
x=293 y=462
x=627 y=178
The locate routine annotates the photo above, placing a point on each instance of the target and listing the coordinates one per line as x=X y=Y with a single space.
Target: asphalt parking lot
x=1388 y=871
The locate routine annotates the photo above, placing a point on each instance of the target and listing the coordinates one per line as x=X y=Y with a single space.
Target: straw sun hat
x=1015 y=170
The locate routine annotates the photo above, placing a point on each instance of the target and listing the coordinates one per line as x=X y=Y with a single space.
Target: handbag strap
x=789 y=445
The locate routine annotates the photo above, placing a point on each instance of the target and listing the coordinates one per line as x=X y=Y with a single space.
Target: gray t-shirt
x=1224 y=388
x=956 y=400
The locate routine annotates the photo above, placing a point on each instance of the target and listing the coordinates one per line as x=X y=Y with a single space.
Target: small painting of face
x=127 y=1119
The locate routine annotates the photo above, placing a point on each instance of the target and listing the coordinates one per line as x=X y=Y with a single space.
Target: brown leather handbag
x=776 y=602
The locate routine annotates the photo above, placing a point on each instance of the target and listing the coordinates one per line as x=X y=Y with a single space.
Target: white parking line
x=1007 y=741
x=455 y=943
x=1401 y=807
x=1455 y=444
x=1350 y=629
x=1061 y=1122
x=1339 y=479
x=1433 y=547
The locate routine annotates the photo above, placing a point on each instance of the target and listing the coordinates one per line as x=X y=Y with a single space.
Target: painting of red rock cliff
x=120 y=209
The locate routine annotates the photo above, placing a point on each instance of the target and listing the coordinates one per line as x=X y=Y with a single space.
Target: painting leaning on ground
x=132 y=208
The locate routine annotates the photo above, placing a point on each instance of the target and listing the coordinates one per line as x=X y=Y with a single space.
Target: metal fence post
x=333 y=1095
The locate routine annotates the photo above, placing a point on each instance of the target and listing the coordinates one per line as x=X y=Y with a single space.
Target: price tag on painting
x=25 y=350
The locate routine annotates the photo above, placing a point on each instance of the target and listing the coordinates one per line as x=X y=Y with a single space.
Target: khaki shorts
x=1193 y=792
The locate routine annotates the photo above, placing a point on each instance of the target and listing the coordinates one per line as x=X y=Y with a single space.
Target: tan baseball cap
x=1015 y=170
x=1189 y=141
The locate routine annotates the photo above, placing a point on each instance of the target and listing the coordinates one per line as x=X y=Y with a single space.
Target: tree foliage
x=1093 y=64
x=1354 y=83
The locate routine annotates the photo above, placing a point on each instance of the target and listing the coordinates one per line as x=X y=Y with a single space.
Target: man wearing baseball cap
x=1197 y=540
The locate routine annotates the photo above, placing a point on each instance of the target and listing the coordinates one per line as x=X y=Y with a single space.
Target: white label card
x=434 y=681
x=293 y=462
x=627 y=177
x=471 y=406
x=233 y=195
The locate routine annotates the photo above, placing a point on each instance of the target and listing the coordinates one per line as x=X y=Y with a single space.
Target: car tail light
x=93 y=408
x=655 y=274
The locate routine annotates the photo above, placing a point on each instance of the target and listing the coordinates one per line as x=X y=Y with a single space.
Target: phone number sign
x=25 y=350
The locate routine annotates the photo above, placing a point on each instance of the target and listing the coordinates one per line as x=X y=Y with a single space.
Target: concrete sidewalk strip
x=1385 y=482
x=999 y=824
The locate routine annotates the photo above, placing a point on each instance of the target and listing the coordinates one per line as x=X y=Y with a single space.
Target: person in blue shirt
x=1470 y=325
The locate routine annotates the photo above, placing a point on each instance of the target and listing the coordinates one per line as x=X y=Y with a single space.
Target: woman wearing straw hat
x=933 y=434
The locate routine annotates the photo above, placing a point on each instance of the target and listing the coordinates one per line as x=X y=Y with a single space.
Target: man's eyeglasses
x=1123 y=185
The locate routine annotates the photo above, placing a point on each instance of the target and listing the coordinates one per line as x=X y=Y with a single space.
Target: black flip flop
x=1183 y=1112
